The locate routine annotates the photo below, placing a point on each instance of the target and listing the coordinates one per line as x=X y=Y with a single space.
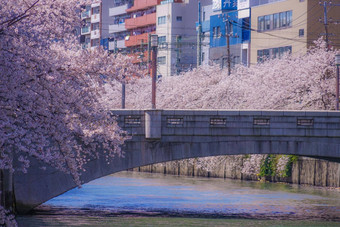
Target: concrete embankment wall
x=304 y=171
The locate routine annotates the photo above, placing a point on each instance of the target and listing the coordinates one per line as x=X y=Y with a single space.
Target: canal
x=145 y=199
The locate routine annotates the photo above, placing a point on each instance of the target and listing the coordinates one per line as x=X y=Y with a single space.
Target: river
x=145 y=199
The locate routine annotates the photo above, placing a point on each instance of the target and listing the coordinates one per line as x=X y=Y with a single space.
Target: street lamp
x=337 y=63
x=154 y=45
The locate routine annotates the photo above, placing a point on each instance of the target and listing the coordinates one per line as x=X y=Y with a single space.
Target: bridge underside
x=156 y=140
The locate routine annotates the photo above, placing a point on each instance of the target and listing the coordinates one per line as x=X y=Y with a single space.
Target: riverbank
x=303 y=170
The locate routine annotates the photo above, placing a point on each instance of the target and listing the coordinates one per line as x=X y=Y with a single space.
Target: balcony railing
x=120 y=44
x=95 y=34
x=143 y=4
x=118 y=10
x=95 y=18
x=117 y=28
x=85 y=30
x=142 y=21
x=137 y=39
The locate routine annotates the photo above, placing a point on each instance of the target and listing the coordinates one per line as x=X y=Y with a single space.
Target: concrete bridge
x=166 y=135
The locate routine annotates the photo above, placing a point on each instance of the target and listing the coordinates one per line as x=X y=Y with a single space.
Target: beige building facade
x=291 y=26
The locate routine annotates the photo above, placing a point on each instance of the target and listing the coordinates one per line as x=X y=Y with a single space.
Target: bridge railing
x=229 y=123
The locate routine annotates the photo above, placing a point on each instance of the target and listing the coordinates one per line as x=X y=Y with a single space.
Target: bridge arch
x=168 y=135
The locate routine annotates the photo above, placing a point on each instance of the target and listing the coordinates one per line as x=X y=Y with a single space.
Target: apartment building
x=141 y=23
x=290 y=26
x=177 y=36
x=90 y=33
x=116 y=29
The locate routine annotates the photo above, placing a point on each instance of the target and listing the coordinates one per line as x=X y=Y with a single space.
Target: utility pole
x=325 y=22
x=177 y=54
x=199 y=37
x=123 y=91
x=141 y=56
x=154 y=44
x=337 y=63
x=149 y=54
x=228 y=45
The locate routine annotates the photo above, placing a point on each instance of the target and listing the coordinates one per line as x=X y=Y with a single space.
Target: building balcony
x=95 y=18
x=120 y=44
x=113 y=28
x=118 y=10
x=86 y=14
x=137 y=39
x=95 y=34
x=142 y=21
x=143 y=4
x=85 y=30
x=96 y=4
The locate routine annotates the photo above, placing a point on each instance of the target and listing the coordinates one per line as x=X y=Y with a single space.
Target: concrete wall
x=190 y=134
x=308 y=171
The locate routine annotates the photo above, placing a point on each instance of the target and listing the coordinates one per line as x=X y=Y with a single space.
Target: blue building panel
x=245 y=29
x=218 y=31
x=105 y=43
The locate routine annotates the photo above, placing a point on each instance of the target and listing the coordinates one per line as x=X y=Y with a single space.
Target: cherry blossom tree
x=51 y=91
x=305 y=81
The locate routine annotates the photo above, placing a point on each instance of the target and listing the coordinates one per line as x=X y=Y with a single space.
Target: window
x=288 y=49
x=203 y=54
x=268 y=22
x=95 y=42
x=276 y=21
x=203 y=16
x=259 y=56
x=281 y=51
x=162 y=20
x=95 y=26
x=179 y=18
x=289 y=18
x=161 y=39
x=161 y=60
x=266 y=54
x=283 y=20
x=275 y=52
x=96 y=10
x=272 y=53
x=301 y=32
x=260 y=23
x=218 y=32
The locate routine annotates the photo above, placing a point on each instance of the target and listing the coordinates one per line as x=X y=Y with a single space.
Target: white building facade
x=177 y=36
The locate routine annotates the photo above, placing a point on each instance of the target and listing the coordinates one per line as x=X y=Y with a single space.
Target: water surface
x=129 y=198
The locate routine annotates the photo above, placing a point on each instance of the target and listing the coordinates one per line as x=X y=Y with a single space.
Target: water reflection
x=144 y=192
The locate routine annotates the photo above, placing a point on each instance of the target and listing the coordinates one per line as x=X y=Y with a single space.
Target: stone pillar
x=153 y=124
